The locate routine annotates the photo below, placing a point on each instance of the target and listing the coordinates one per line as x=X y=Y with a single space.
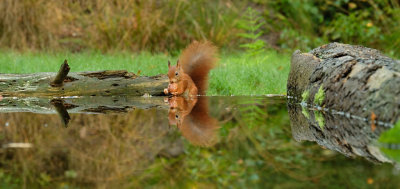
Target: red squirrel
x=190 y=75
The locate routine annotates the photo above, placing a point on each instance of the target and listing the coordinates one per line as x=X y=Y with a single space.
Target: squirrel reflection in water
x=191 y=116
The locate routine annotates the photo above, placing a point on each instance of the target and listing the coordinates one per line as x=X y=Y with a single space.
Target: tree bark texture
x=99 y=83
x=352 y=79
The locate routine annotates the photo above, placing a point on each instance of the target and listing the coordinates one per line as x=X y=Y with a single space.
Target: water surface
x=233 y=142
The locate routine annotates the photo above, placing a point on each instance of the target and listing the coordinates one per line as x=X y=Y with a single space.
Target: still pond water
x=209 y=142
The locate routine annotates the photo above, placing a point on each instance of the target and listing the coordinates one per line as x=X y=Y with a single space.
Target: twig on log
x=62 y=73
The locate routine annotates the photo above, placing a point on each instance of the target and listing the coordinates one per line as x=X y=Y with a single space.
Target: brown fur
x=194 y=65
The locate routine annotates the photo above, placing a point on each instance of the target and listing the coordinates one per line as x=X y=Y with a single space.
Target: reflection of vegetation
x=96 y=150
x=123 y=150
x=251 y=113
x=390 y=141
x=319 y=96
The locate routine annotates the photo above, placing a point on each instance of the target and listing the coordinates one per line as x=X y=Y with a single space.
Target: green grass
x=236 y=74
x=240 y=74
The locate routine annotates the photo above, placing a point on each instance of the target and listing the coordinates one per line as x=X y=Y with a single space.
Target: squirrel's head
x=174 y=72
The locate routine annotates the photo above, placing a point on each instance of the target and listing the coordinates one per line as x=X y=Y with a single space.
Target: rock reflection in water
x=350 y=135
x=191 y=116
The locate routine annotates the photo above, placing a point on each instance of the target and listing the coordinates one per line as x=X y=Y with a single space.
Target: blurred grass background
x=167 y=26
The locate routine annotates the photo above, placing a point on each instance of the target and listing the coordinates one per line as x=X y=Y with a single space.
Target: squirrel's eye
x=176 y=116
x=176 y=73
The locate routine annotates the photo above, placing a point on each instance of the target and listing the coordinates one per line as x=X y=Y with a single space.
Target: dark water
x=209 y=142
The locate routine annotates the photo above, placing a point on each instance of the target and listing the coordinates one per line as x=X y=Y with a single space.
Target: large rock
x=353 y=79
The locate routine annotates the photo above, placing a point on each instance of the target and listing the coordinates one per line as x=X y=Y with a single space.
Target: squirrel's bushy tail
x=197 y=60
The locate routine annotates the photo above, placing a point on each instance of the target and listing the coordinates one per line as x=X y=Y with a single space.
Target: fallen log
x=352 y=79
x=98 y=83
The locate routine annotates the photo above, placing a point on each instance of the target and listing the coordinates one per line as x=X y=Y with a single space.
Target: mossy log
x=98 y=83
x=353 y=79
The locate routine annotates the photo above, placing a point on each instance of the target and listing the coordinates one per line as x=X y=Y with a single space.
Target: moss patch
x=319 y=96
x=305 y=112
x=319 y=118
x=305 y=95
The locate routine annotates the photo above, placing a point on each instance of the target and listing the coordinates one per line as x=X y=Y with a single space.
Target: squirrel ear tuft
x=177 y=63
x=169 y=64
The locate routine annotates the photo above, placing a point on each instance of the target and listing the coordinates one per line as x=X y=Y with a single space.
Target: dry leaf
x=373 y=118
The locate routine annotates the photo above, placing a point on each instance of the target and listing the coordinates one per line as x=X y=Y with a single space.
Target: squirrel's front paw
x=166 y=91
